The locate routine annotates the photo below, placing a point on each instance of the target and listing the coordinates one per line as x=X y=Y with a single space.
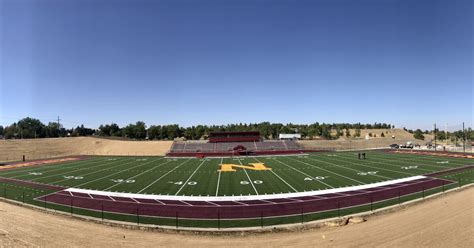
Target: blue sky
x=405 y=62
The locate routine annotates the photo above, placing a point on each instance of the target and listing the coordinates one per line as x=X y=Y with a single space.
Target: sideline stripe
x=247 y=197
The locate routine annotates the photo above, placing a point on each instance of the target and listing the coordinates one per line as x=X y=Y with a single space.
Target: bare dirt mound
x=400 y=136
x=446 y=221
x=12 y=150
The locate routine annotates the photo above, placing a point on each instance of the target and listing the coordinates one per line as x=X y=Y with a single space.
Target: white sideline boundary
x=241 y=198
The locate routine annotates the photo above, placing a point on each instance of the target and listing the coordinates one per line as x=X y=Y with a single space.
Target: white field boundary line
x=332 y=172
x=156 y=180
x=289 y=185
x=243 y=198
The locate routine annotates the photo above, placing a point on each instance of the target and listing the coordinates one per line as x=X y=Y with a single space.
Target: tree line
x=33 y=128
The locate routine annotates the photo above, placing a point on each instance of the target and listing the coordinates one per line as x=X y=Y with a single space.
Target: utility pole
x=463 y=139
x=446 y=134
x=435 y=135
x=59 y=128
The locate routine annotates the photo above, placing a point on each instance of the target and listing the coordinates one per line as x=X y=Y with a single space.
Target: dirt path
x=447 y=221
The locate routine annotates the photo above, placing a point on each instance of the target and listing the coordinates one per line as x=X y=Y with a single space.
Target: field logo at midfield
x=251 y=166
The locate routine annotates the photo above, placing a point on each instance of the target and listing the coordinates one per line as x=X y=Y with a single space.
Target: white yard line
x=246 y=197
x=48 y=168
x=274 y=173
x=68 y=172
x=93 y=172
x=352 y=179
x=304 y=173
x=377 y=168
x=348 y=168
x=189 y=178
x=219 y=179
x=410 y=162
x=139 y=174
x=109 y=175
x=250 y=180
x=146 y=187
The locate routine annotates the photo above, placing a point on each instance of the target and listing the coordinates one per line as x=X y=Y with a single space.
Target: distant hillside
x=401 y=136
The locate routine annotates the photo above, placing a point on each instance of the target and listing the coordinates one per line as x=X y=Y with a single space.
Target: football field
x=248 y=175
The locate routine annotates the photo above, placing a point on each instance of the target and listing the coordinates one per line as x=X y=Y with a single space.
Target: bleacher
x=224 y=143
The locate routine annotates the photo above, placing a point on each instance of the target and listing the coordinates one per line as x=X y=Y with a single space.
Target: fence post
x=371 y=204
x=218 y=220
x=45 y=202
x=302 y=216
x=23 y=197
x=71 y=205
x=339 y=210
x=398 y=197
x=176 y=219
x=261 y=219
x=423 y=191
x=138 y=217
x=102 y=205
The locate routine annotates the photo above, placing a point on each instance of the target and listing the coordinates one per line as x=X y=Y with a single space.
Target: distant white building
x=289 y=136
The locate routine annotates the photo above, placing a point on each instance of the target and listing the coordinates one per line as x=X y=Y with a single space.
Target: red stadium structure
x=234 y=137
x=234 y=144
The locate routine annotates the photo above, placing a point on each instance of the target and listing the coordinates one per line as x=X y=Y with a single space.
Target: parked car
x=394 y=146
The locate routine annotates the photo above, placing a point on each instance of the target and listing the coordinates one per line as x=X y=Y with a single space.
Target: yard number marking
x=409 y=167
x=247 y=182
x=122 y=180
x=315 y=178
x=371 y=173
x=35 y=173
x=73 y=177
x=192 y=183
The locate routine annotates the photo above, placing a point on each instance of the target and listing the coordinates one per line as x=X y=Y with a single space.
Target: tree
x=1 y=130
x=418 y=134
x=382 y=135
x=357 y=132
x=140 y=130
x=348 y=133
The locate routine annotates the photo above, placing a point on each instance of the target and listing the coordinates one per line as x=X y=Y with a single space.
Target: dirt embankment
x=392 y=136
x=446 y=221
x=12 y=150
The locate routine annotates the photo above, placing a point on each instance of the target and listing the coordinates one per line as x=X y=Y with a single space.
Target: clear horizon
x=407 y=63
